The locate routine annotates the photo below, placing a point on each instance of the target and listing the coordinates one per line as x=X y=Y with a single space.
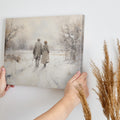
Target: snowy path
x=55 y=75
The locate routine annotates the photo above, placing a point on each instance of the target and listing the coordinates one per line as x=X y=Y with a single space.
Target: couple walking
x=41 y=50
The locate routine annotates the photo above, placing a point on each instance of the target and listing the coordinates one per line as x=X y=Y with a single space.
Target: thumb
x=3 y=73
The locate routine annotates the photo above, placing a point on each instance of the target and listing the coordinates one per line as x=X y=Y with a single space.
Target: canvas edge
x=82 y=46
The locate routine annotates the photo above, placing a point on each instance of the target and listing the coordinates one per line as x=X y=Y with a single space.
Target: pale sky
x=45 y=28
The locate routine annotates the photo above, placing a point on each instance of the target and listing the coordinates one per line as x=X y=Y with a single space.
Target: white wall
x=102 y=22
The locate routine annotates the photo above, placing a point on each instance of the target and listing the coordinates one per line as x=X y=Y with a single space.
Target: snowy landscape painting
x=43 y=51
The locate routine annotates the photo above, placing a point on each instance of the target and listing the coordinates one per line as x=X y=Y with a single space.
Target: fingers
x=3 y=85
x=81 y=80
x=82 y=77
x=3 y=72
x=7 y=88
x=76 y=76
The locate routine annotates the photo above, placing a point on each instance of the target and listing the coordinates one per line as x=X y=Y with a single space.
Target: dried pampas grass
x=86 y=110
x=108 y=84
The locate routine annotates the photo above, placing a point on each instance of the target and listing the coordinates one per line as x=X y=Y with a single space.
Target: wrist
x=67 y=105
x=71 y=100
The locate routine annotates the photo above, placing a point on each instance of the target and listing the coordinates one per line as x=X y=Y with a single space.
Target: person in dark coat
x=37 y=52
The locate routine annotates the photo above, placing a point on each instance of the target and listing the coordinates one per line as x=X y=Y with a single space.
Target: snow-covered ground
x=55 y=75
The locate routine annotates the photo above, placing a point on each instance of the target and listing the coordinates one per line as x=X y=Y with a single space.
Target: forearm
x=59 y=111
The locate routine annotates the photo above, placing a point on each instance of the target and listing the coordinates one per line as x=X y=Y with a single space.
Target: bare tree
x=11 y=32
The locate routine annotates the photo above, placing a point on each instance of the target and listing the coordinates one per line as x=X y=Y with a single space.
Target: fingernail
x=3 y=69
x=12 y=86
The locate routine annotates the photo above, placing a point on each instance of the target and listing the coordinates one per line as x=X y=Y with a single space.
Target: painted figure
x=45 y=54
x=37 y=52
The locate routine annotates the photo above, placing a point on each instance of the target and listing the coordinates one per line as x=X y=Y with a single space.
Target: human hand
x=71 y=99
x=3 y=86
x=71 y=93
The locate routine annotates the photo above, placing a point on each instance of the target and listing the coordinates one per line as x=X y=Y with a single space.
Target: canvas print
x=43 y=51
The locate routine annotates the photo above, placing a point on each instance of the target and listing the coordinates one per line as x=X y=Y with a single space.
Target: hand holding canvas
x=3 y=86
x=71 y=92
x=64 y=107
